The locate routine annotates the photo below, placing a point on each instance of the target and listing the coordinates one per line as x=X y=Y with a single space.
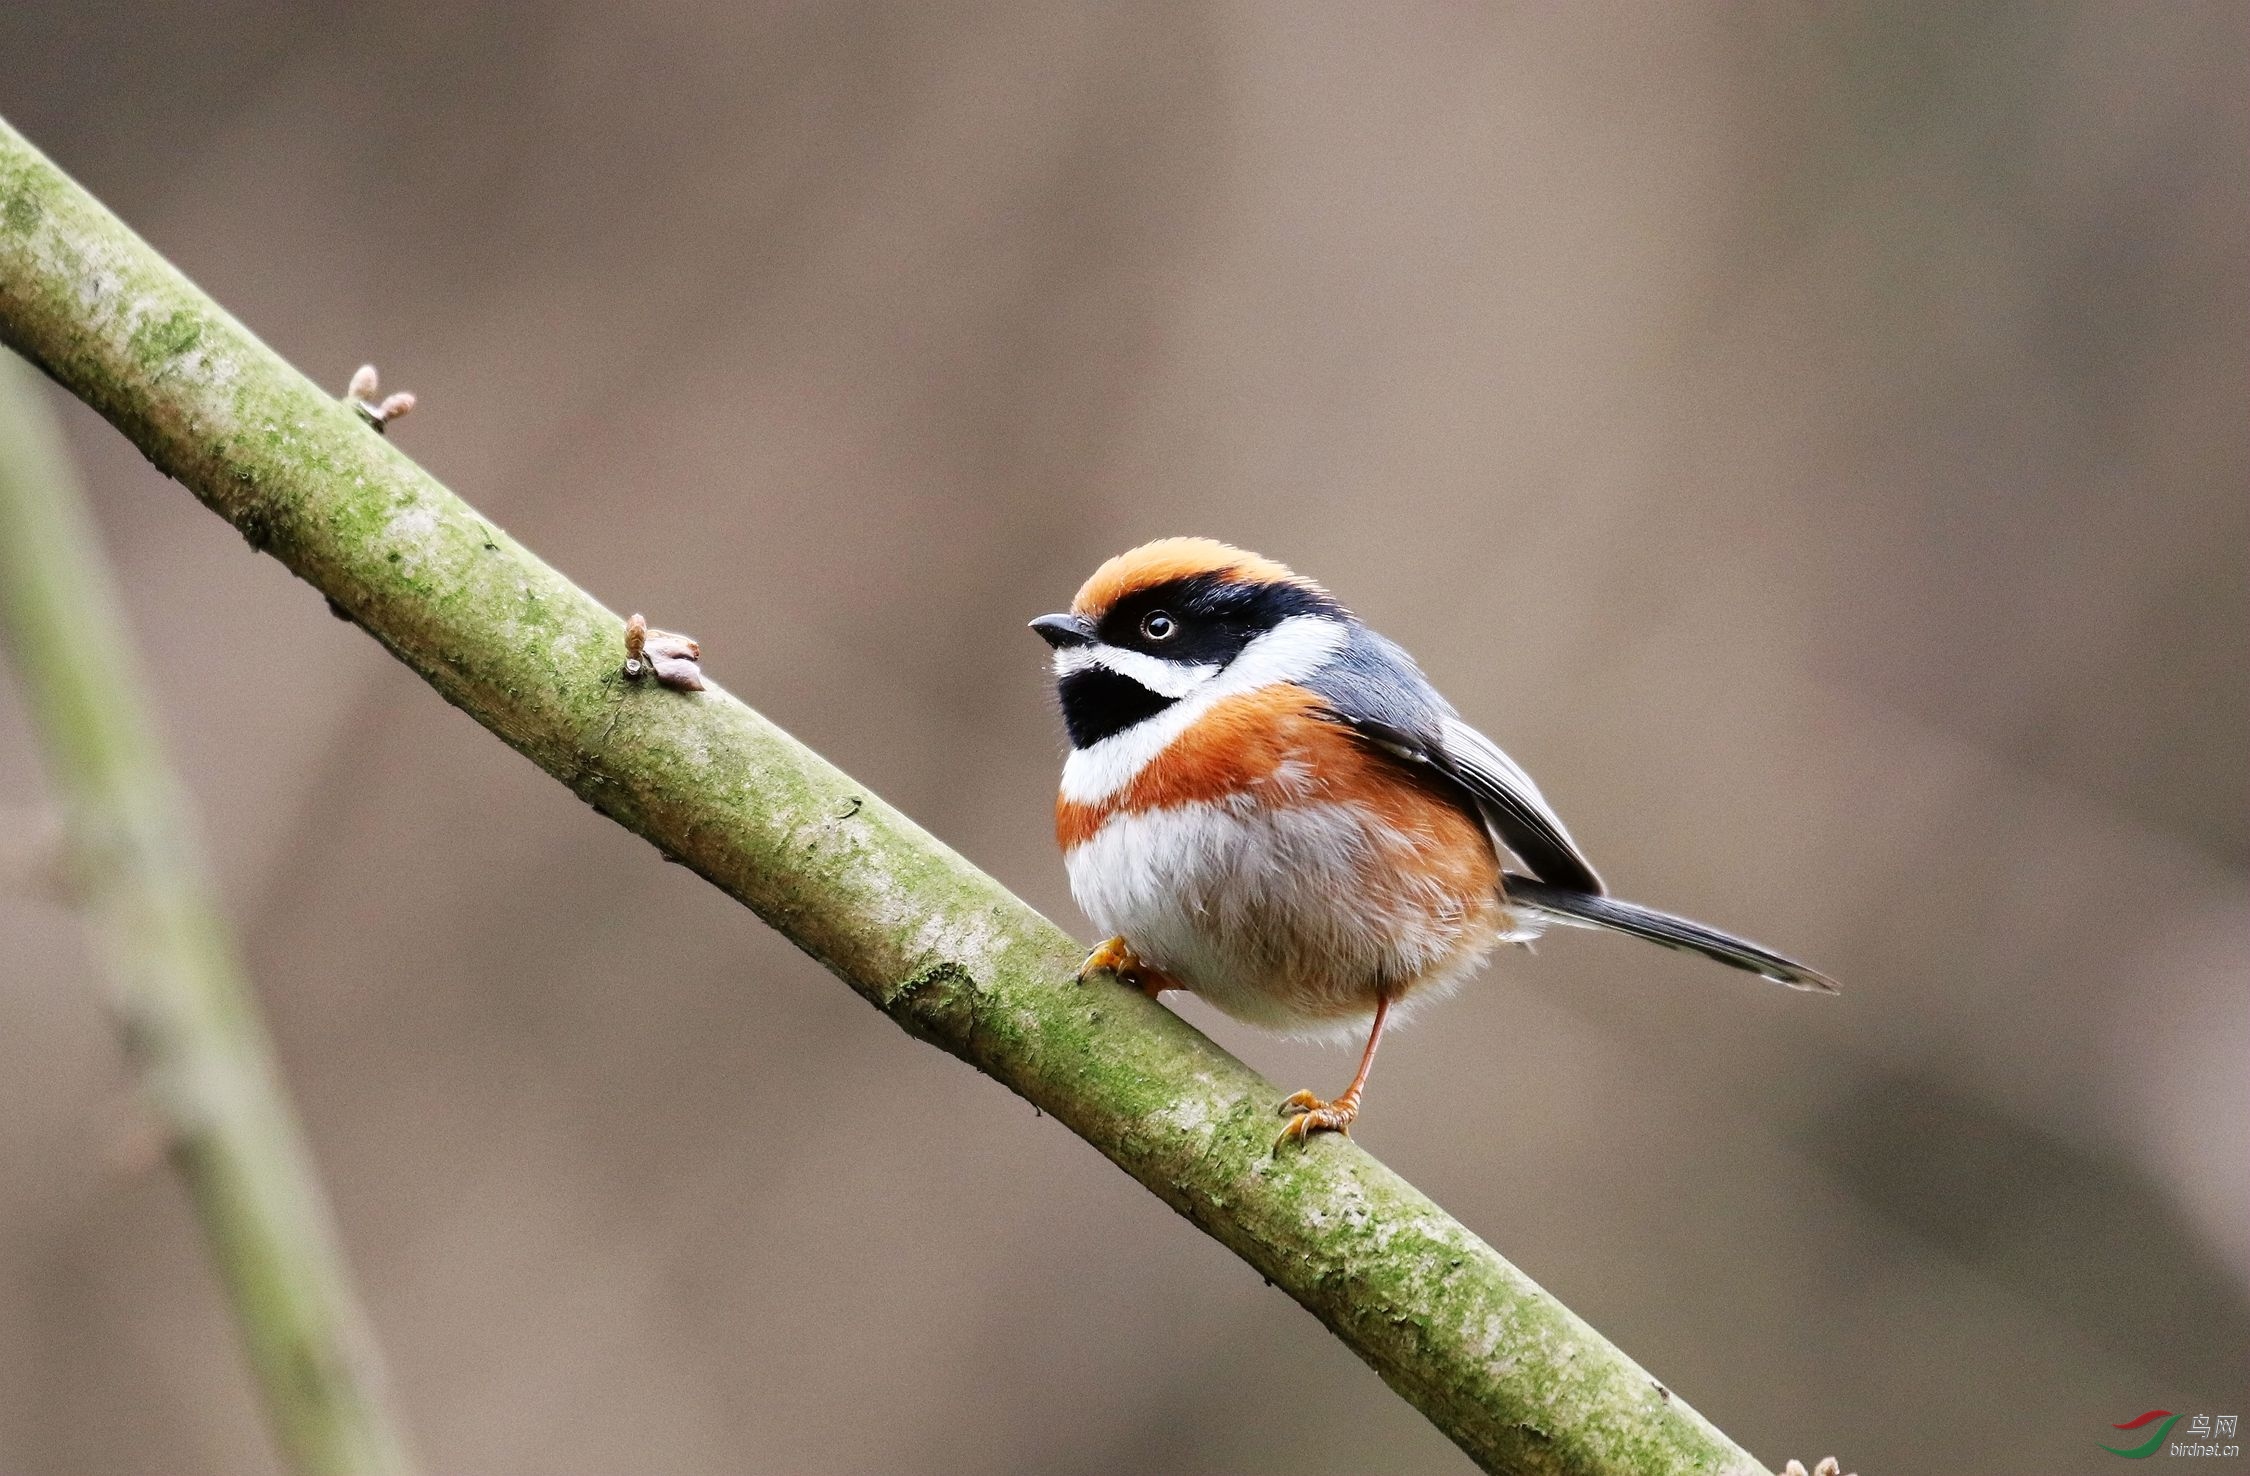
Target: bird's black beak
x=1064 y=631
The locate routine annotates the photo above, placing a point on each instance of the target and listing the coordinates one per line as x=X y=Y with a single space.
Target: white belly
x=1291 y=917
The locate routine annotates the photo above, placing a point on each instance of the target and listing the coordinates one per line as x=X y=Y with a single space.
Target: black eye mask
x=1213 y=617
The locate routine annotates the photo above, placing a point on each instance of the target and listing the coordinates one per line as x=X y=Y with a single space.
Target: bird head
x=1169 y=619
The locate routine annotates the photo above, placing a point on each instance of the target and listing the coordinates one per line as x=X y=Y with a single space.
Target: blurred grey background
x=1812 y=439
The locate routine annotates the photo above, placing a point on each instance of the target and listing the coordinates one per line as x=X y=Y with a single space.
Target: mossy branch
x=190 y=1025
x=1515 y=1378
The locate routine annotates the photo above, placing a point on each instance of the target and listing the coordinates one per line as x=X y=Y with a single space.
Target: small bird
x=1268 y=805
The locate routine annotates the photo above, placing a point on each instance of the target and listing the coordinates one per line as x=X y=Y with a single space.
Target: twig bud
x=360 y=395
x=672 y=657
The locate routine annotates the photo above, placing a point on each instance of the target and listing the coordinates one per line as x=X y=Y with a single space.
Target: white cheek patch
x=1164 y=678
x=1291 y=652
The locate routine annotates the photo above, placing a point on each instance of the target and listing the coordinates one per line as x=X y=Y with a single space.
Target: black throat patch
x=1097 y=702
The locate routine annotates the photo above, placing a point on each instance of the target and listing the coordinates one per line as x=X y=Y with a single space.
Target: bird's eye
x=1158 y=625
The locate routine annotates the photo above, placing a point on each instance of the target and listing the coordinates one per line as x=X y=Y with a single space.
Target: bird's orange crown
x=1169 y=559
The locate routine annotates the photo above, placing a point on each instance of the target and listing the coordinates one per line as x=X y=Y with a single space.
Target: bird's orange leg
x=1116 y=956
x=1308 y=1114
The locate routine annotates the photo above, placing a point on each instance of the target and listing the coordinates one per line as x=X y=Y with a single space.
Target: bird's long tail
x=1584 y=910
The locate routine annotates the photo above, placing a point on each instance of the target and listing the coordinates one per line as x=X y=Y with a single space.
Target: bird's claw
x=1110 y=956
x=1308 y=1114
x=1115 y=956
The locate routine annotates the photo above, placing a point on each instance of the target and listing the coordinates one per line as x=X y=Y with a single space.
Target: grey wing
x=1375 y=688
x=1516 y=808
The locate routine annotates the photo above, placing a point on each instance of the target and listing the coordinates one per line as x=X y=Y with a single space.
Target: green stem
x=189 y=1022
x=1516 y=1379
